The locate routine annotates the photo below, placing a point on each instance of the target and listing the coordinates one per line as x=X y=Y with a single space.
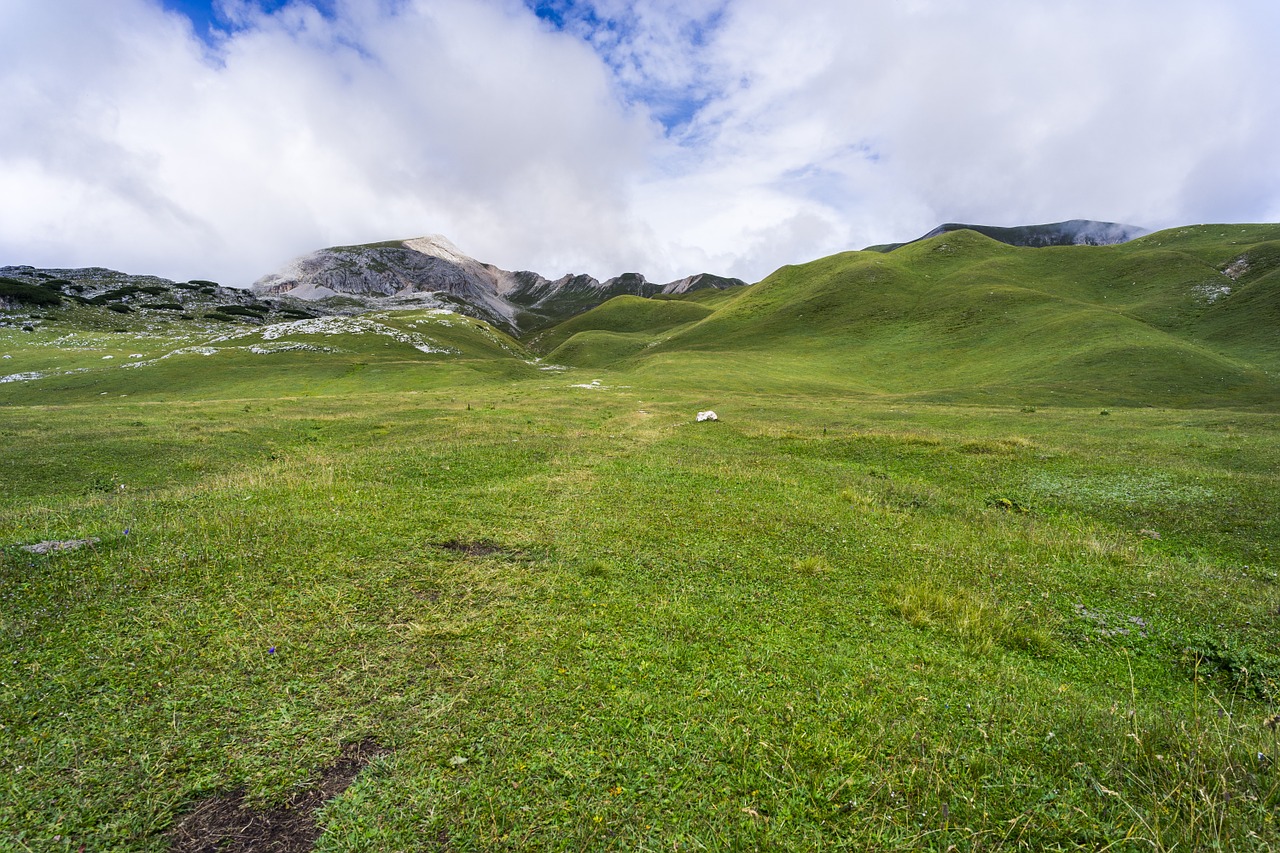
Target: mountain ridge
x=405 y=270
x=1072 y=232
x=1181 y=317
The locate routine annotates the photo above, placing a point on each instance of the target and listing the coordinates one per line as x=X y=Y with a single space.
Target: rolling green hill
x=625 y=314
x=1178 y=318
x=249 y=555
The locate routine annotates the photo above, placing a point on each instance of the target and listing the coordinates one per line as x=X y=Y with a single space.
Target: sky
x=218 y=139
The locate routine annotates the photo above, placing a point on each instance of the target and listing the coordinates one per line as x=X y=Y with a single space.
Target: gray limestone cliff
x=432 y=268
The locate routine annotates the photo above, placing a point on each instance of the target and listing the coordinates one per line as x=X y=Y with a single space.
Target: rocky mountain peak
x=432 y=268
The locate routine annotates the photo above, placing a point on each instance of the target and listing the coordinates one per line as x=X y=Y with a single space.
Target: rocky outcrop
x=433 y=267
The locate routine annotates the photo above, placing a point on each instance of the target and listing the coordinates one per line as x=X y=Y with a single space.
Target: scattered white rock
x=59 y=545
x=1212 y=292
x=105 y=357
x=1238 y=267
x=343 y=326
x=707 y=416
x=20 y=377
x=284 y=346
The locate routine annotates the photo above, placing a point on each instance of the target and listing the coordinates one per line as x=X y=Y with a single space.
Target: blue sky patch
x=620 y=43
x=207 y=19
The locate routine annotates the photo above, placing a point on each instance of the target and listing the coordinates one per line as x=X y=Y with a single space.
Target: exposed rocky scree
x=432 y=268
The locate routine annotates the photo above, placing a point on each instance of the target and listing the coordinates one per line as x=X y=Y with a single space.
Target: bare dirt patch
x=225 y=824
x=479 y=548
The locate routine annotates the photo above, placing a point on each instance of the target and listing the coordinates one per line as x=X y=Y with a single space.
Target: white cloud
x=665 y=137
x=885 y=119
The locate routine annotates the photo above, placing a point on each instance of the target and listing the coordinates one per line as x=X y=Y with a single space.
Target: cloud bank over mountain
x=669 y=137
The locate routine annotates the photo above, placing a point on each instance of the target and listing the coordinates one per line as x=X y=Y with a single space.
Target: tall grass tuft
x=980 y=625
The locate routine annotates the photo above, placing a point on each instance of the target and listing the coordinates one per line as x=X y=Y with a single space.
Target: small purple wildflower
x=126 y=531
x=271 y=651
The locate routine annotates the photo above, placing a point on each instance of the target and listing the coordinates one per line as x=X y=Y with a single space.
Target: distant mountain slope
x=624 y=314
x=73 y=335
x=1074 y=232
x=519 y=301
x=1183 y=317
x=108 y=293
x=1180 y=318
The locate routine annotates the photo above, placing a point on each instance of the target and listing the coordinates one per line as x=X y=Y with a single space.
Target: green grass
x=841 y=617
x=810 y=623
x=963 y=318
x=625 y=314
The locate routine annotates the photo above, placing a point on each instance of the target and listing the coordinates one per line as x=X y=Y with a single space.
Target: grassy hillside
x=892 y=600
x=625 y=314
x=74 y=359
x=1183 y=317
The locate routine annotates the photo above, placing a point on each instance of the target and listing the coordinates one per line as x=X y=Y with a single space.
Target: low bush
x=1244 y=669
x=20 y=293
x=239 y=311
x=114 y=294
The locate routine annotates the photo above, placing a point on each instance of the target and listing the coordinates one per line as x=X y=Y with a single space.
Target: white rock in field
x=707 y=416
x=62 y=545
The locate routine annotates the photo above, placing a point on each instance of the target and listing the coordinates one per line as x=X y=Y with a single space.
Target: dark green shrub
x=12 y=290
x=163 y=306
x=119 y=308
x=200 y=282
x=117 y=293
x=239 y=311
x=217 y=315
x=1244 y=669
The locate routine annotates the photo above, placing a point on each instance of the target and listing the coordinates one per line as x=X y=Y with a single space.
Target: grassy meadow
x=864 y=610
